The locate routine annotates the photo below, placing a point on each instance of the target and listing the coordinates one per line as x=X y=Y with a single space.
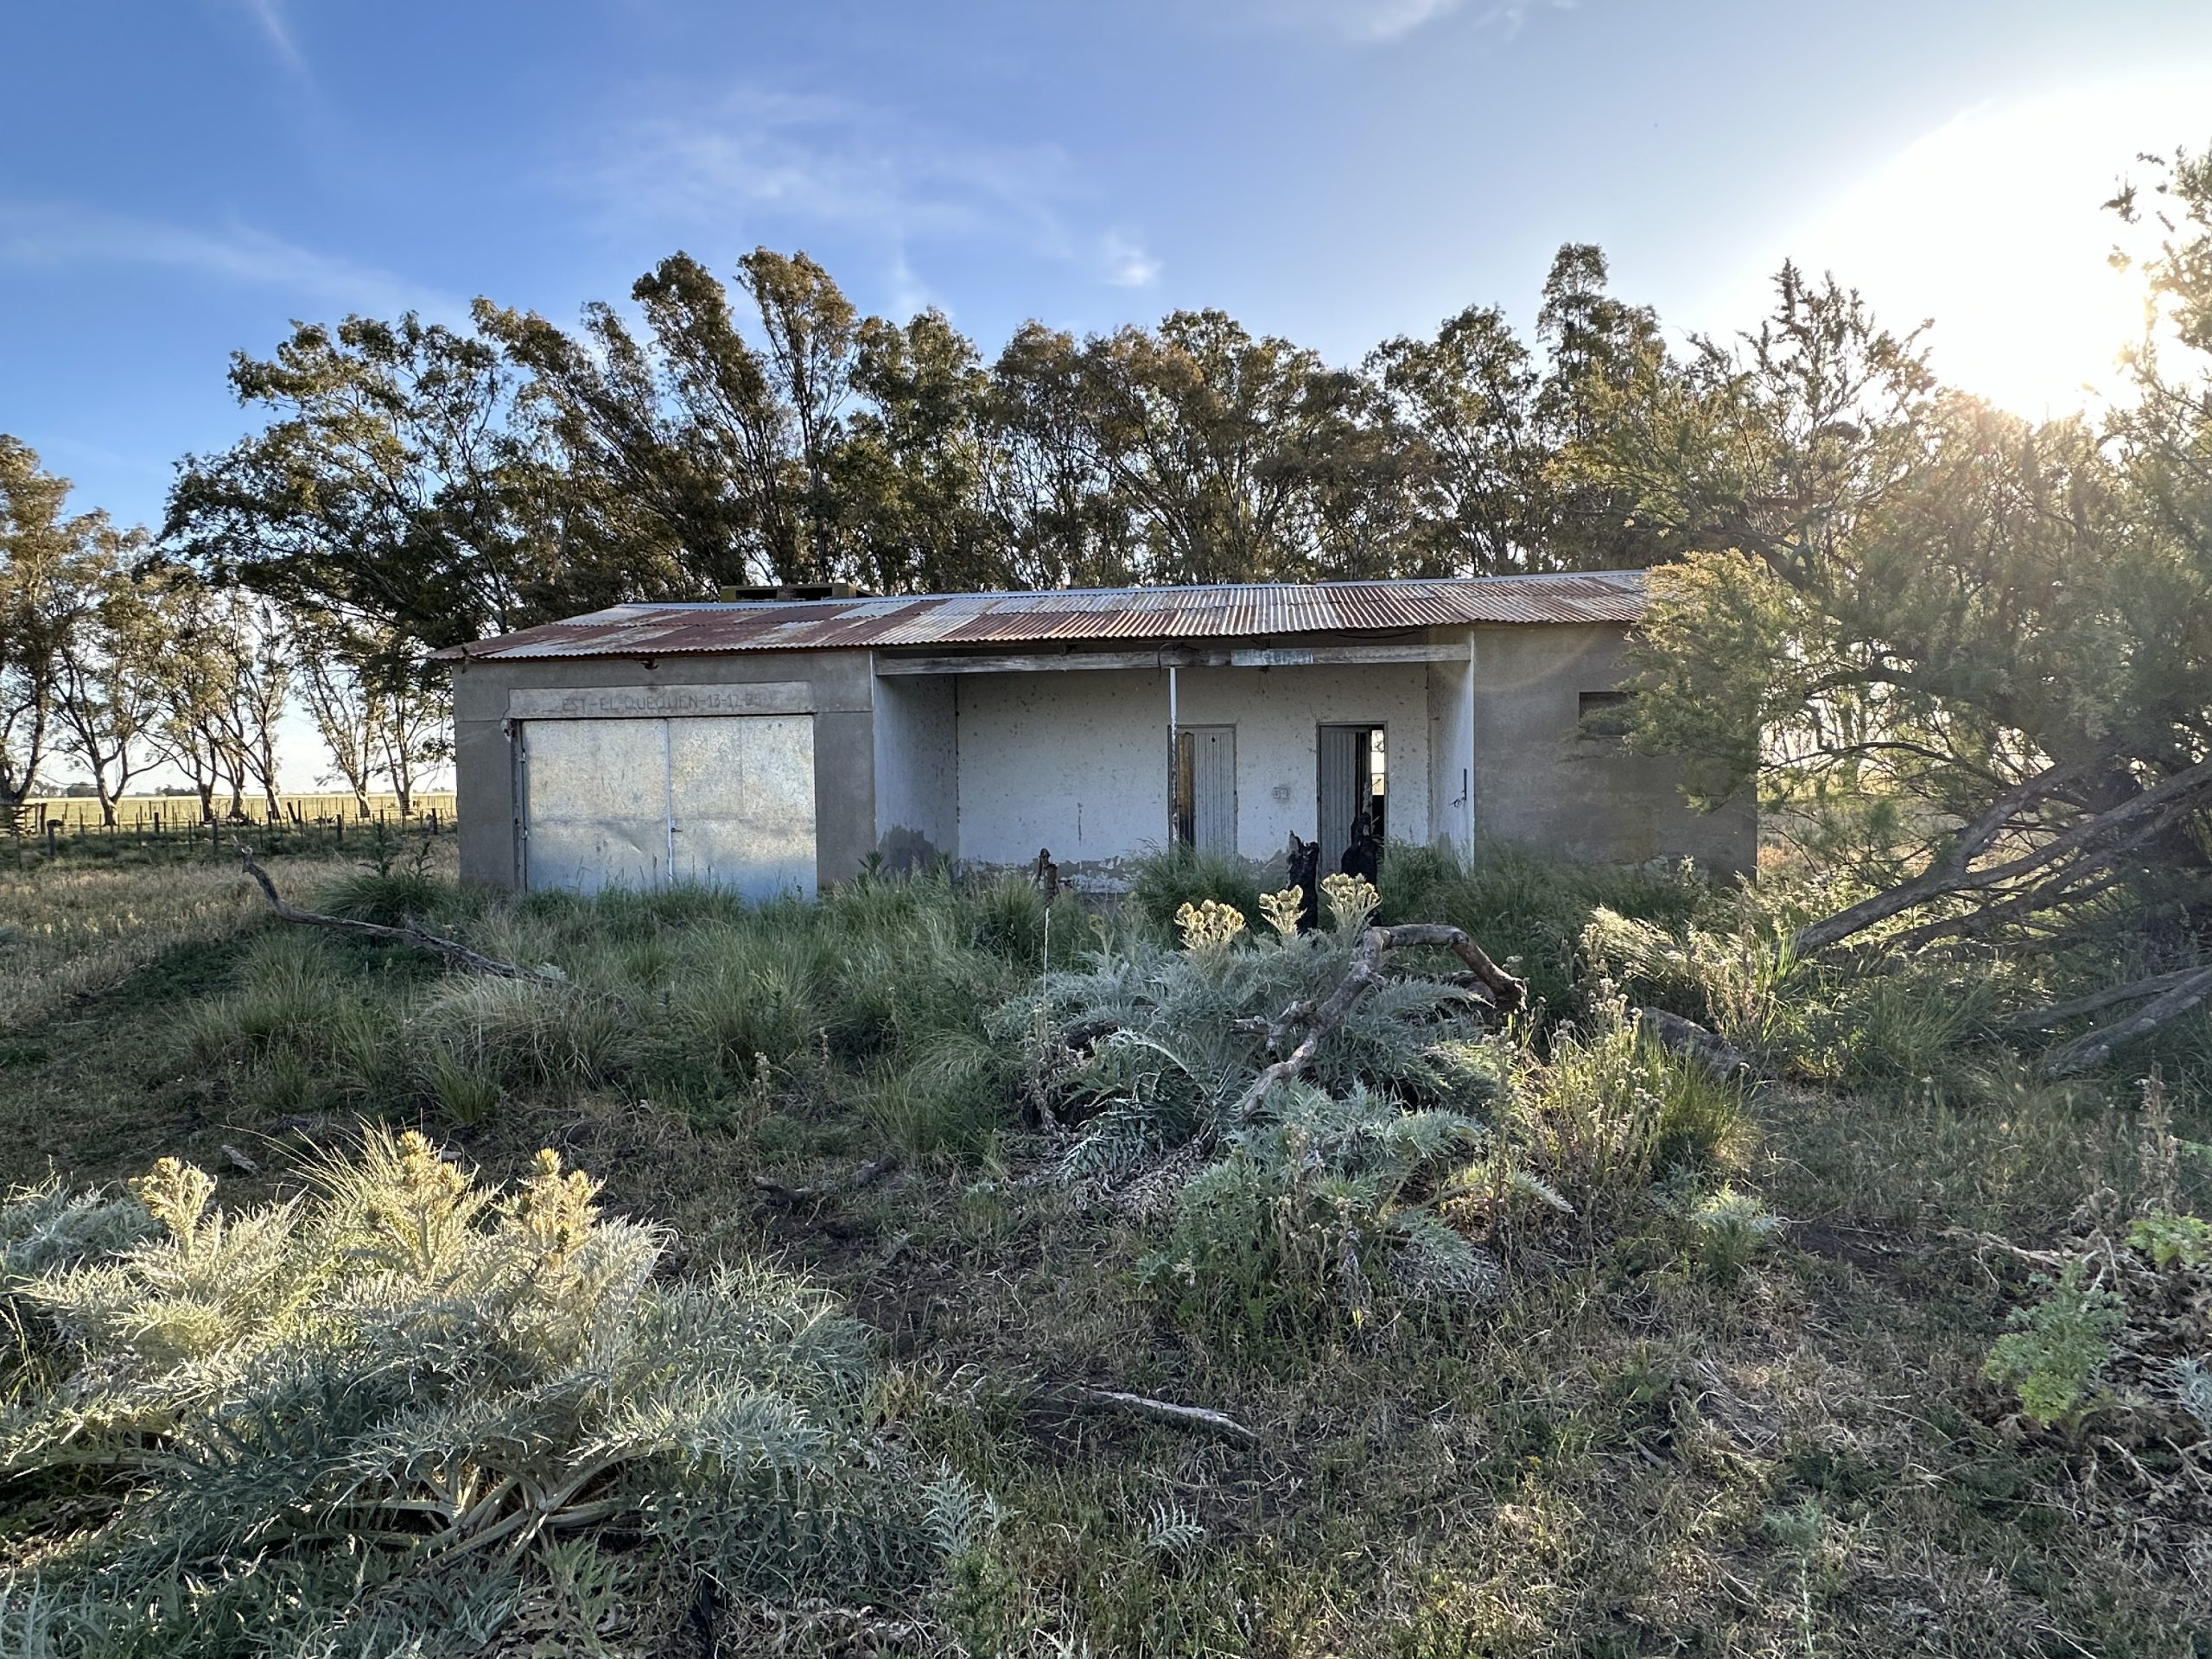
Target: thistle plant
x=1281 y=909
x=1151 y=1047
x=373 y=1418
x=1313 y=1217
x=1352 y=900
x=1210 y=926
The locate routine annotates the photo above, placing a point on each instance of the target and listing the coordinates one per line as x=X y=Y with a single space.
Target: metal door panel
x=741 y=799
x=1213 y=788
x=595 y=803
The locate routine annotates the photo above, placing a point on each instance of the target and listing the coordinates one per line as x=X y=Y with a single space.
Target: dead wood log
x=2093 y=1048
x=2057 y=1014
x=866 y=1175
x=1687 y=1038
x=408 y=933
x=1167 y=1411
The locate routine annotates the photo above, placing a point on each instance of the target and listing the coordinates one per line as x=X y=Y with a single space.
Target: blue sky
x=181 y=177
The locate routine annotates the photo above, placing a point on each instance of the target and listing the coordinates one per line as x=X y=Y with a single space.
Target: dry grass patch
x=65 y=933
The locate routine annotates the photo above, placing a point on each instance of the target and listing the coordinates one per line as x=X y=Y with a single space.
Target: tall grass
x=1519 y=905
x=1163 y=883
x=65 y=934
x=875 y=995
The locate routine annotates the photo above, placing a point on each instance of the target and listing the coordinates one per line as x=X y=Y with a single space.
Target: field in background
x=180 y=812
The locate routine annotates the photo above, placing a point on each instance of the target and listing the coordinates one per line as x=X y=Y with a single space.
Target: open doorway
x=1353 y=799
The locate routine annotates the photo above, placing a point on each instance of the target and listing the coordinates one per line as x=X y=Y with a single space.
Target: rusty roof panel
x=1123 y=614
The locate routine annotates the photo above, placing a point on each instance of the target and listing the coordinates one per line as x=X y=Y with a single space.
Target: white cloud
x=755 y=166
x=754 y=155
x=1128 y=263
x=1382 y=21
x=269 y=15
x=46 y=234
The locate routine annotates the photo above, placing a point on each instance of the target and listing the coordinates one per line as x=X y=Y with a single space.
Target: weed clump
x=402 y=1410
x=1162 y=884
x=1321 y=1215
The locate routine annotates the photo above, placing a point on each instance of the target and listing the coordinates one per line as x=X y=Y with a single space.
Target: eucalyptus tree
x=108 y=697
x=713 y=455
x=395 y=482
x=55 y=569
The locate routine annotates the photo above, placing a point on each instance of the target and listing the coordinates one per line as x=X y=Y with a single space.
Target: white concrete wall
x=1451 y=780
x=1076 y=760
x=1539 y=784
x=917 y=769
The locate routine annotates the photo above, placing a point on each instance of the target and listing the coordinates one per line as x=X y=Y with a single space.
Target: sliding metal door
x=724 y=800
x=595 y=803
x=741 y=803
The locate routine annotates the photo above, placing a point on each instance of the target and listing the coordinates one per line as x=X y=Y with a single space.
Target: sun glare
x=1992 y=227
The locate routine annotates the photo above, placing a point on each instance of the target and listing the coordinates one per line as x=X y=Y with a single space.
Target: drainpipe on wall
x=1172 y=757
x=1469 y=790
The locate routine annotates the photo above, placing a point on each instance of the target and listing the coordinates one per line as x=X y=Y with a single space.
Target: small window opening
x=1604 y=715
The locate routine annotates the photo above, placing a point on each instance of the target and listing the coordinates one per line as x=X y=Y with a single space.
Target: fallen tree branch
x=2059 y=1012
x=1951 y=873
x=1320 y=1018
x=1508 y=992
x=1687 y=1038
x=2094 y=1047
x=1167 y=1411
x=866 y=1175
x=409 y=932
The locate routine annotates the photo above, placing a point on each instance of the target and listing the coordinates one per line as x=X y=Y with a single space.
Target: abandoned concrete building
x=776 y=743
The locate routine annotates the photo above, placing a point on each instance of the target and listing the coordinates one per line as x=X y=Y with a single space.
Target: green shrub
x=736 y=996
x=2058 y=1345
x=1608 y=1111
x=303 y=1031
x=390 y=898
x=1313 y=1219
x=1517 y=904
x=1163 y=883
x=381 y=1417
x=1732 y=979
x=1732 y=1231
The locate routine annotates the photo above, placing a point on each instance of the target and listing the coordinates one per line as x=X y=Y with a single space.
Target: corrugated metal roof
x=1143 y=614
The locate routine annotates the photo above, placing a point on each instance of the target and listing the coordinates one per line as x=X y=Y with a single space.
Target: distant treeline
x=453 y=483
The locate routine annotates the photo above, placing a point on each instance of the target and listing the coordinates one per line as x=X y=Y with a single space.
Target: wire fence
x=168 y=828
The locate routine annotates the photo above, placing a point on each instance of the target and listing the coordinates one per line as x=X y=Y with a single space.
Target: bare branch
x=1952 y=873
x=1167 y=1411
x=2093 y=1048
x=2059 y=1012
x=409 y=932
